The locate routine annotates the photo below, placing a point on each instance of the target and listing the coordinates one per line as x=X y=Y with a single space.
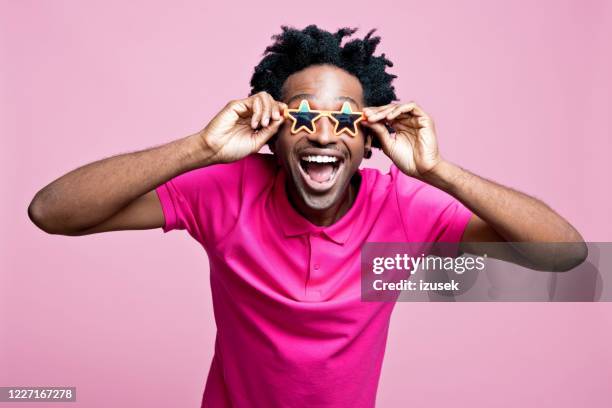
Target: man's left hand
x=413 y=147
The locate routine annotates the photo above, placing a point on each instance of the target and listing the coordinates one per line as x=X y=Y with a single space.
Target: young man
x=283 y=232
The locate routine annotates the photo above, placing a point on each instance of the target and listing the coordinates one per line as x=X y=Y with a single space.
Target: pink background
x=520 y=93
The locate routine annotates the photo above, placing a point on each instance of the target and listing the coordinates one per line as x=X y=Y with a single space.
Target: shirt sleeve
x=427 y=213
x=205 y=201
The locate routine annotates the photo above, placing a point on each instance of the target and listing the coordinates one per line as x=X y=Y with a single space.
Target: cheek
x=356 y=145
x=284 y=143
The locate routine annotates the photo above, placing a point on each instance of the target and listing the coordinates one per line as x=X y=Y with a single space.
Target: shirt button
x=316 y=267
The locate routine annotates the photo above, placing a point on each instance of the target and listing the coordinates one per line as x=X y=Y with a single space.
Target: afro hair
x=294 y=50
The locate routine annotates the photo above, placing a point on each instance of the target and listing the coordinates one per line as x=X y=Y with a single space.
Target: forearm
x=515 y=216
x=92 y=193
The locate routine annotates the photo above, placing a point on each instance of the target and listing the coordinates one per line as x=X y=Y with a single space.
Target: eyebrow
x=310 y=96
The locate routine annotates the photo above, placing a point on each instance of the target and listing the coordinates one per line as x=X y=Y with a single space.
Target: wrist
x=443 y=175
x=194 y=153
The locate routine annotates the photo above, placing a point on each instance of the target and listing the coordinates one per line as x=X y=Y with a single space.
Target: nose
x=324 y=133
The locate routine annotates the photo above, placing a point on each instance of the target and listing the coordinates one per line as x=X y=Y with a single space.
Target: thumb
x=267 y=132
x=381 y=132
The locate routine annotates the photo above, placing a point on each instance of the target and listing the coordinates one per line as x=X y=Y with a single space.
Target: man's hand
x=499 y=213
x=413 y=147
x=241 y=128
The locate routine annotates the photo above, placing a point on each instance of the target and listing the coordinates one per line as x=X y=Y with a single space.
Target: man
x=283 y=232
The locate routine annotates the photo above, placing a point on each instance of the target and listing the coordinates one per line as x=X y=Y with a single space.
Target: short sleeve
x=427 y=213
x=205 y=202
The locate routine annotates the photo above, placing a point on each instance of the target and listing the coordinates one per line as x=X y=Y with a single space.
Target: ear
x=367 y=147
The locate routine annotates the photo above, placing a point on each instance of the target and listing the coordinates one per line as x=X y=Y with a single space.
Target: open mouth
x=320 y=170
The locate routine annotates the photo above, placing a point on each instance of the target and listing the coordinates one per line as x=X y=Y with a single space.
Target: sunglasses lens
x=347 y=121
x=303 y=119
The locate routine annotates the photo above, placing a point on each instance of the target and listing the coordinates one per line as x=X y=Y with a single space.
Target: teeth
x=320 y=159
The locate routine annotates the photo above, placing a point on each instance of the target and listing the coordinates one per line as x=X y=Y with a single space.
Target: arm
x=498 y=209
x=500 y=213
x=118 y=193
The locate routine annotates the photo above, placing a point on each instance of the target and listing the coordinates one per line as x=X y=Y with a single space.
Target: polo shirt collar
x=294 y=224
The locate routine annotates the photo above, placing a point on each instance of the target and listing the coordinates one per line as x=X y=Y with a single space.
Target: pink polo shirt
x=291 y=328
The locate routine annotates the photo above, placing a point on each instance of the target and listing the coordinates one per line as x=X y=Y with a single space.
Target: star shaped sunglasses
x=304 y=118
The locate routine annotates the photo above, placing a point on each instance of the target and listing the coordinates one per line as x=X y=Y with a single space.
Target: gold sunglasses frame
x=321 y=113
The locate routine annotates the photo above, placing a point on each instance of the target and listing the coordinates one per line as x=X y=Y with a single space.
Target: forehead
x=324 y=86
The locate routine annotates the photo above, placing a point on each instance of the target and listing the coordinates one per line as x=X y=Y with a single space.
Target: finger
x=416 y=110
x=276 y=110
x=262 y=135
x=381 y=114
x=403 y=114
x=241 y=107
x=399 y=109
x=267 y=109
x=407 y=120
x=257 y=108
x=413 y=115
x=283 y=108
x=412 y=108
x=371 y=110
x=276 y=122
x=402 y=127
x=404 y=108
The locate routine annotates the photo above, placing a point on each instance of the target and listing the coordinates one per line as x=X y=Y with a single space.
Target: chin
x=319 y=200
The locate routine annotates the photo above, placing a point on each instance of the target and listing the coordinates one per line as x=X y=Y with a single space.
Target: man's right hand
x=242 y=127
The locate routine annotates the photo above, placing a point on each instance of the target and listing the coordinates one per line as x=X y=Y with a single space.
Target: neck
x=327 y=216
